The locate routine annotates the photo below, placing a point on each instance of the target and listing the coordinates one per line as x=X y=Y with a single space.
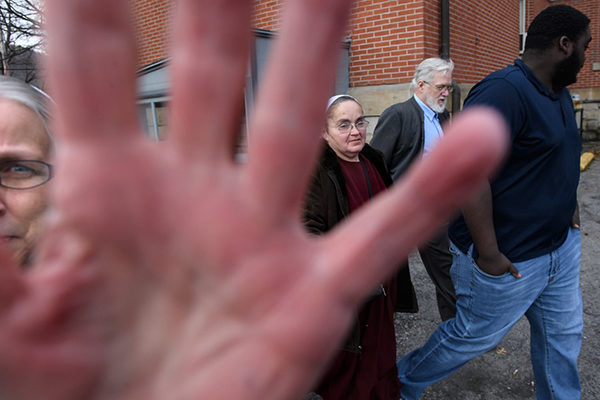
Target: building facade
x=386 y=39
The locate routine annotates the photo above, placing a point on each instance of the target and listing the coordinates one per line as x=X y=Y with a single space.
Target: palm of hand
x=161 y=295
x=170 y=271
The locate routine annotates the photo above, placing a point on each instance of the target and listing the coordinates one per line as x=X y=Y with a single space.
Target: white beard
x=435 y=106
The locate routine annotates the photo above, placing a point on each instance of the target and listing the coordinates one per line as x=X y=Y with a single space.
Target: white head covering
x=337 y=96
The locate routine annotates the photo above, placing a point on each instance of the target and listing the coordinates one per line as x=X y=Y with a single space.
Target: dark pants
x=438 y=260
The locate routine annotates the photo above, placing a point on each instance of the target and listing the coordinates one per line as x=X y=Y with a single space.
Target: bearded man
x=410 y=130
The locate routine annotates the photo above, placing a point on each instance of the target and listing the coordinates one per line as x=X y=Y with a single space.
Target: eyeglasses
x=24 y=174
x=440 y=88
x=346 y=127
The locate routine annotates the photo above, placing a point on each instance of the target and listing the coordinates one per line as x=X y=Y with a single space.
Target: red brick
x=390 y=37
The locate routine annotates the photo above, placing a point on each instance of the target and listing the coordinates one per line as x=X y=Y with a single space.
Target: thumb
x=514 y=271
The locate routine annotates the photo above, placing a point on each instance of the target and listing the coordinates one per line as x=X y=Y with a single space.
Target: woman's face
x=346 y=145
x=22 y=137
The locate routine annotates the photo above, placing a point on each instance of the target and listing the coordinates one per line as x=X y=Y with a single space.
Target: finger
x=91 y=67
x=575 y=220
x=366 y=249
x=290 y=109
x=514 y=271
x=210 y=56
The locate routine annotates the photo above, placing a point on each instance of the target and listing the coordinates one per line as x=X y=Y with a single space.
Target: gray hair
x=30 y=96
x=427 y=67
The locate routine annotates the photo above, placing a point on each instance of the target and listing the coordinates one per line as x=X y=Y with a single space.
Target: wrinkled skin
x=170 y=271
x=22 y=137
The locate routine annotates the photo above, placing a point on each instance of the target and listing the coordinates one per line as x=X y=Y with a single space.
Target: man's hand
x=169 y=270
x=575 y=221
x=497 y=264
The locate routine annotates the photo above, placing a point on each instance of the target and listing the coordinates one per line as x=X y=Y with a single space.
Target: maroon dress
x=371 y=373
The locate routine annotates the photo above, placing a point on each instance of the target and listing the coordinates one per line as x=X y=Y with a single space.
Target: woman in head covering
x=25 y=146
x=350 y=173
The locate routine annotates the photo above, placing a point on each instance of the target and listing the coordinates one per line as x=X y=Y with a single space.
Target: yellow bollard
x=586 y=159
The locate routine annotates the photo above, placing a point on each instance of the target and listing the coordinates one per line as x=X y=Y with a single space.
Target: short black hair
x=554 y=22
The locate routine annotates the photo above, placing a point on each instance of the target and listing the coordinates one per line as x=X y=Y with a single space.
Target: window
x=522 y=25
x=153 y=117
x=154 y=87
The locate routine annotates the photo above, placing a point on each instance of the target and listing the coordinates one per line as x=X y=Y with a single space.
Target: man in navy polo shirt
x=516 y=248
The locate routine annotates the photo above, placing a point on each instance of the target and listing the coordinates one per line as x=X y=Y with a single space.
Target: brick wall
x=482 y=39
x=266 y=14
x=389 y=37
x=387 y=40
x=151 y=18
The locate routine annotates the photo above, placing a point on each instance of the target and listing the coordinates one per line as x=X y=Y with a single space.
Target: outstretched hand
x=168 y=270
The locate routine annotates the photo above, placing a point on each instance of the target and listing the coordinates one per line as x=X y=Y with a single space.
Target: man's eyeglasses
x=440 y=88
x=24 y=174
x=346 y=127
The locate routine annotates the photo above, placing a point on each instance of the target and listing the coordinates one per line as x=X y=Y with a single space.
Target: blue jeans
x=489 y=306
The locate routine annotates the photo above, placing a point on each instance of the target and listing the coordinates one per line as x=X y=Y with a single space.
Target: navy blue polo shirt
x=534 y=194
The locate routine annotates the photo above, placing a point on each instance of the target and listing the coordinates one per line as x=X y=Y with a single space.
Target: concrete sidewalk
x=506 y=373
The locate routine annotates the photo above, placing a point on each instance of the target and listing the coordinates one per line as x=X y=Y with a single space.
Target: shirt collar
x=429 y=113
x=543 y=89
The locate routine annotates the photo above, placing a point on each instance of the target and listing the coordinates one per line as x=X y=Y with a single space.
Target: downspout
x=445 y=51
x=445 y=47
